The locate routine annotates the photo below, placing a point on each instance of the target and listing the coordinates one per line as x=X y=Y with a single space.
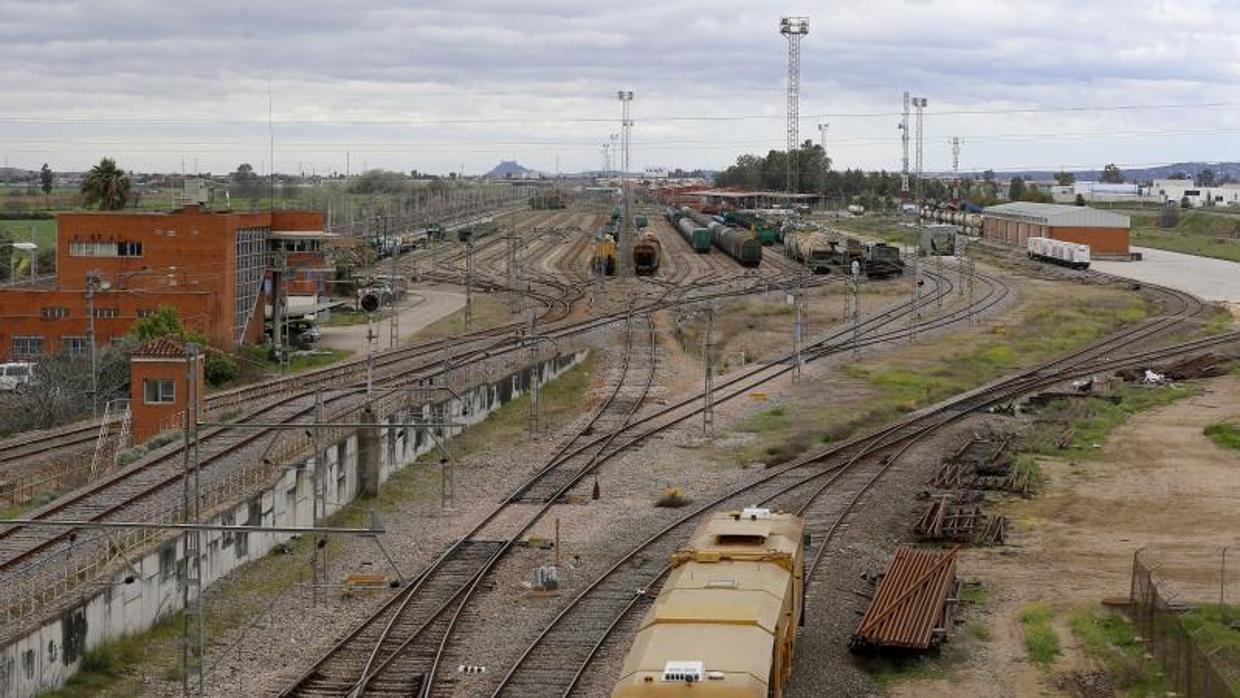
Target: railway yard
x=704 y=383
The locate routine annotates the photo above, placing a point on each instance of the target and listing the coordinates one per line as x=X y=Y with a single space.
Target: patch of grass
x=316 y=359
x=1027 y=466
x=975 y=594
x=488 y=311
x=1210 y=626
x=1224 y=434
x=1041 y=640
x=889 y=671
x=981 y=631
x=116 y=667
x=1093 y=419
x=1197 y=232
x=1108 y=638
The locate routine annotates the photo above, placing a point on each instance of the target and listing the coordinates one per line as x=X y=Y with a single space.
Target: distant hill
x=510 y=169
x=1136 y=174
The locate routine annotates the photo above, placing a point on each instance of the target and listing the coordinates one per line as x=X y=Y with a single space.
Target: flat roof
x=725 y=194
x=1058 y=215
x=302 y=235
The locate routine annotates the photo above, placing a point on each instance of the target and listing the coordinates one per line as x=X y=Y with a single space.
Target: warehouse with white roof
x=1106 y=232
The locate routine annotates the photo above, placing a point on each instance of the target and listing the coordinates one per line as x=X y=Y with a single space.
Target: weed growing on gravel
x=1041 y=640
x=1224 y=434
x=1108 y=639
x=1092 y=420
x=975 y=594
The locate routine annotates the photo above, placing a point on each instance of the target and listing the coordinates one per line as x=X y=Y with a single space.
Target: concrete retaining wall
x=44 y=658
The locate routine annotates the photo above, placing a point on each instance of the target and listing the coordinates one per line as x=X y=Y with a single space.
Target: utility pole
x=798 y=326
x=320 y=494
x=534 y=412
x=394 y=333
x=793 y=28
x=919 y=103
x=854 y=284
x=93 y=284
x=903 y=126
x=708 y=381
x=192 y=630
x=469 y=282
x=956 y=168
x=826 y=161
x=624 y=242
x=513 y=295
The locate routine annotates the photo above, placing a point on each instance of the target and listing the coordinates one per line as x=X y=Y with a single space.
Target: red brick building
x=1106 y=232
x=157 y=387
x=210 y=266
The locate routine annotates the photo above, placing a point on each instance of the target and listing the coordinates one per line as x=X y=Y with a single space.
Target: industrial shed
x=1105 y=232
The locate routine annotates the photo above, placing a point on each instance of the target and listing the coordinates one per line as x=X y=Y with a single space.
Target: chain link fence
x=1180 y=607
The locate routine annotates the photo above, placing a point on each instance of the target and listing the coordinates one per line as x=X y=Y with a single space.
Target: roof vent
x=688 y=672
x=755 y=513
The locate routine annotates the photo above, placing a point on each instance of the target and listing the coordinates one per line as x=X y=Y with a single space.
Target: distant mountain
x=510 y=169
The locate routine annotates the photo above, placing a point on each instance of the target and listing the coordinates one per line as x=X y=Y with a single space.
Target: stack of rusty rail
x=957 y=518
x=981 y=464
x=956 y=515
x=913 y=606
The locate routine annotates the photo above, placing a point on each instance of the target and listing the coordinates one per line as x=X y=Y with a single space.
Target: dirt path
x=1159 y=483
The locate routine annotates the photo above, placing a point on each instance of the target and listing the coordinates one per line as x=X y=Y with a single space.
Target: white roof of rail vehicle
x=1058 y=215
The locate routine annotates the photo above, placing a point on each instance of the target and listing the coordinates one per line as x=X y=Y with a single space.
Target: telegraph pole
x=798 y=326
x=826 y=161
x=708 y=381
x=469 y=282
x=192 y=630
x=394 y=333
x=534 y=413
x=93 y=283
x=904 y=145
x=854 y=284
x=919 y=103
x=793 y=28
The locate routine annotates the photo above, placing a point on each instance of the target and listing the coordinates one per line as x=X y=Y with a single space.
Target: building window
x=27 y=346
x=75 y=346
x=107 y=312
x=159 y=391
x=145 y=312
x=54 y=313
x=105 y=249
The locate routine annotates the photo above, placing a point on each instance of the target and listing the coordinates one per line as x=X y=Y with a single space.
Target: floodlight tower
x=793 y=28
x=903 y=126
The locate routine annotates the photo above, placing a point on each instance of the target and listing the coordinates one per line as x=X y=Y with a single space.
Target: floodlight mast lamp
x=793 y=28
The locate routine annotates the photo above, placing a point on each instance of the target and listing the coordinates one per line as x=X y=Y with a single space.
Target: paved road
x=1209 y=278
x=417 y=311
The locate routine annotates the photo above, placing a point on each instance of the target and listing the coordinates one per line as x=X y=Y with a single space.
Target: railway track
x=410 y=655
x=387 y=654
x=603 y=616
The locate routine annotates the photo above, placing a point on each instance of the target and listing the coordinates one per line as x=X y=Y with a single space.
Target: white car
x=15 y=375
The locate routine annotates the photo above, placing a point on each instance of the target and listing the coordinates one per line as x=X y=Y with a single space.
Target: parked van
x=15 y=375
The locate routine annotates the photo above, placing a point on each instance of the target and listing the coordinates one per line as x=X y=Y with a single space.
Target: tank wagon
x=603 y=261
x=938 y=239
x=646 y=253
x=767 y=233
x=882 y=261
x=727 y=615
x=697 y=236
x=1061 y=252
x=813 y=249
x=740 y=245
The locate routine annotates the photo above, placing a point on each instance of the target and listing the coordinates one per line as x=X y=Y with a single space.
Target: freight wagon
x=1061 y=252
x=766 y=232
x=603 y=261
x=646 y=253
x=813 y=249
x=697 y=236
x=725 y=622
x=740 y=245
x=882 y=261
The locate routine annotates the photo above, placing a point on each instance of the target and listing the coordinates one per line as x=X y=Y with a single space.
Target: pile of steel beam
x=947 y=518
x=913 y=606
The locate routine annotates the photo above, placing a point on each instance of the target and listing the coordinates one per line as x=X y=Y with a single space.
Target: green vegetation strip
x=1041 y=640
x=121 y=666
x=1224 y=434
x=1196 y=232
x=1109 y=639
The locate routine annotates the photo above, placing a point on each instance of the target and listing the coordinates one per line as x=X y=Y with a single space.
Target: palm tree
x=106 y=184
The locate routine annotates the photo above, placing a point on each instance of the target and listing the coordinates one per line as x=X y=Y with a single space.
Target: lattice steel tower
x=793 y=28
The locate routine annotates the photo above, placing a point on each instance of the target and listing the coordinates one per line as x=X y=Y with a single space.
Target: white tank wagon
x=1066 y=254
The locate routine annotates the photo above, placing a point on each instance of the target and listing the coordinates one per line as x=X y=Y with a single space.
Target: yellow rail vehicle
x=724 y=624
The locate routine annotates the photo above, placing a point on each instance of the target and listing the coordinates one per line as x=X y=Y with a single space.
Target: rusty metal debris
x=914 y=603
x=948 y=519
x=1206 y=365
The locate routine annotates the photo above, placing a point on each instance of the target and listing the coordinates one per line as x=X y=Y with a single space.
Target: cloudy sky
x=439 y=86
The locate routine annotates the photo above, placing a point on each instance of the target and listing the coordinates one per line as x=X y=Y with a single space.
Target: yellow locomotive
x=725 y=621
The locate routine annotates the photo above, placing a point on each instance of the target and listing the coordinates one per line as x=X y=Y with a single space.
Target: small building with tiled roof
x=158 y=387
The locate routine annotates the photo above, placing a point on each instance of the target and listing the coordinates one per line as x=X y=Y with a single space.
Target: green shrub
x=1041 y=640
